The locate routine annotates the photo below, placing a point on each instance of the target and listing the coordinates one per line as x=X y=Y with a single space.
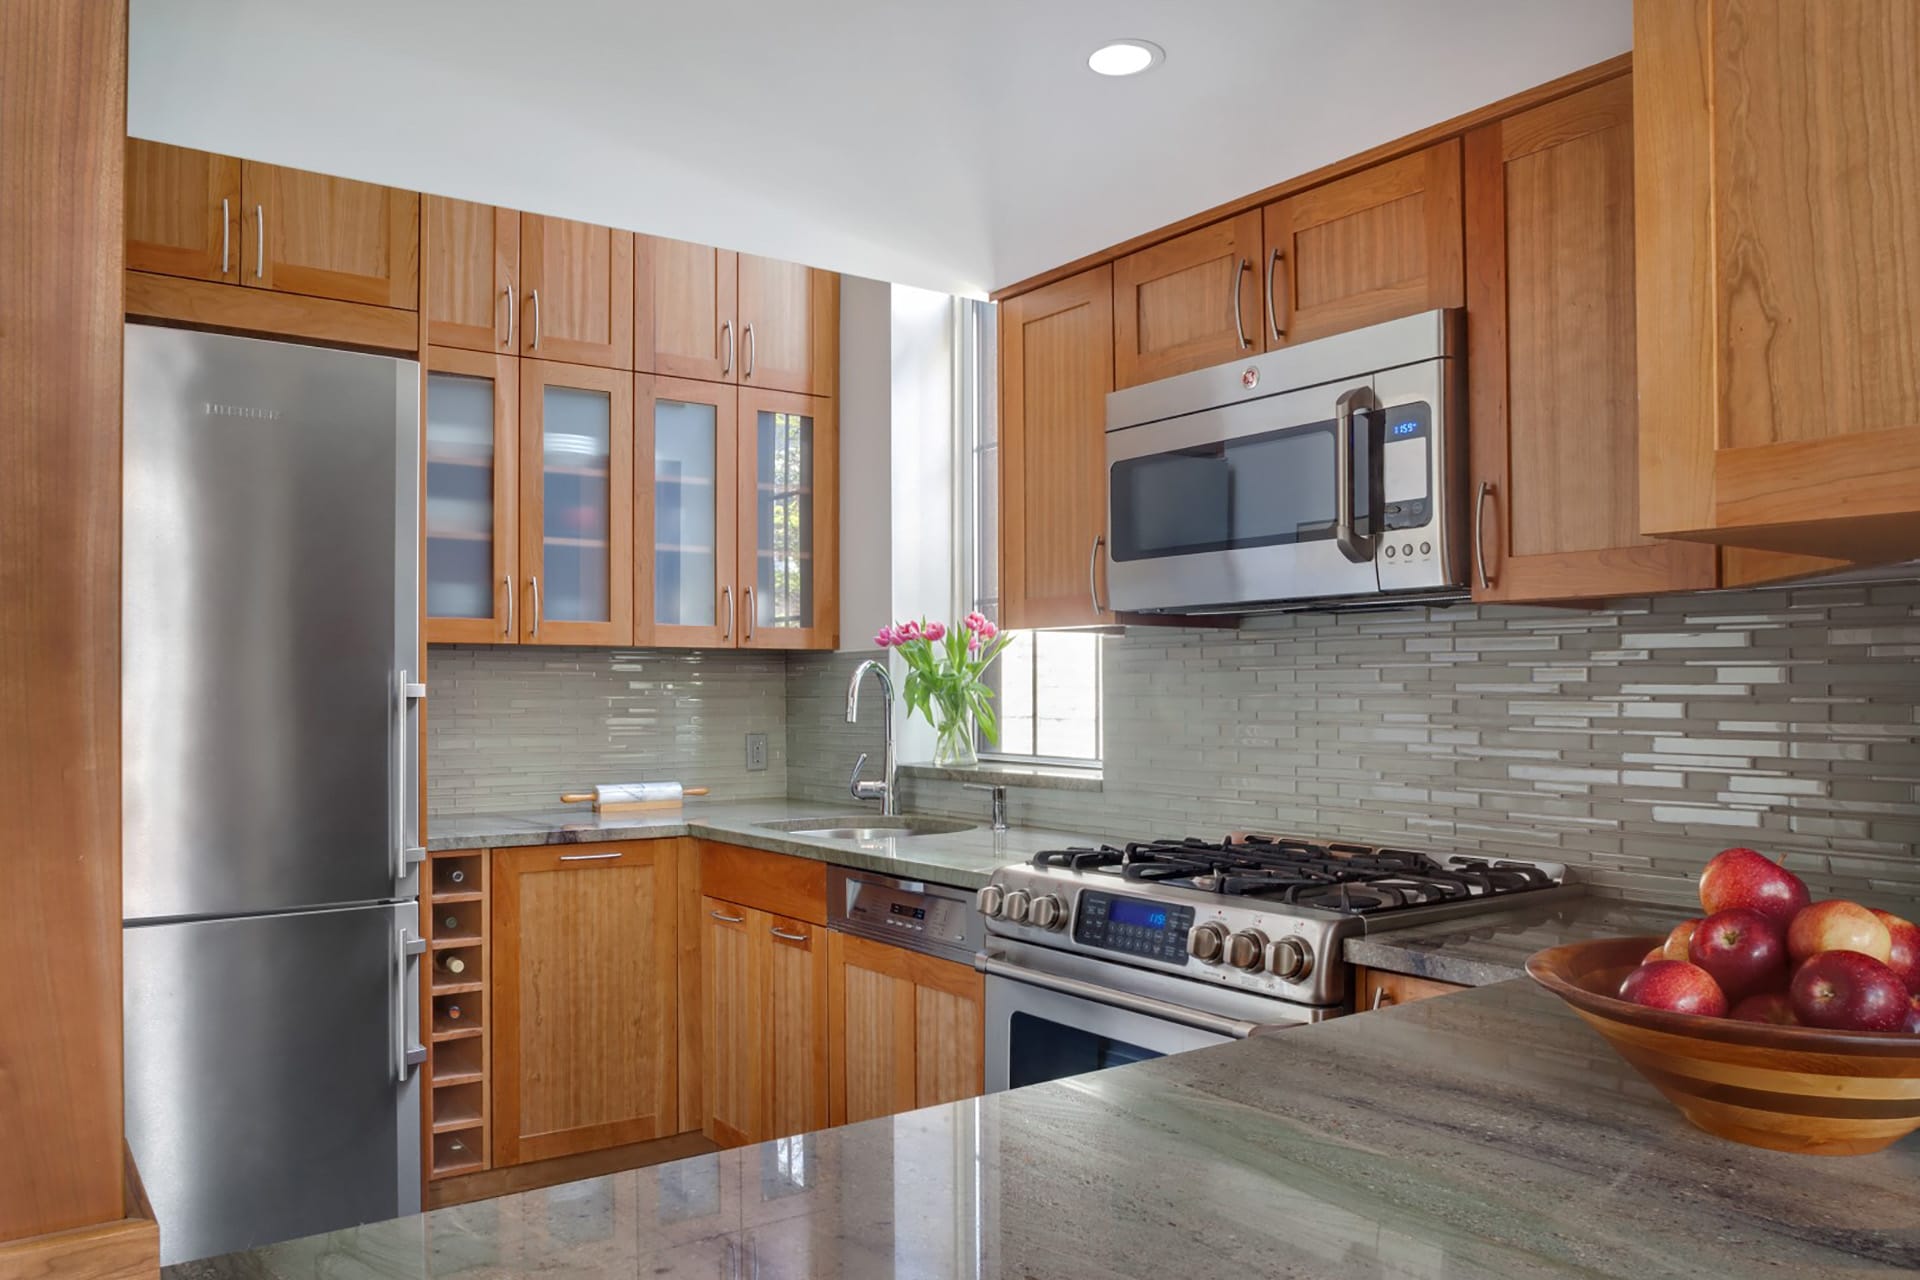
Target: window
x=1047 y=683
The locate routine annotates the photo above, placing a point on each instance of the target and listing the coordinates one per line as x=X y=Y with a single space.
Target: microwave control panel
x=1406 y=449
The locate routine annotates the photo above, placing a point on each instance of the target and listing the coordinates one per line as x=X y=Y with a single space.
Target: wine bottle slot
x=456 y=876
x=453 y=964
x=452 y=1012
x=450 y=922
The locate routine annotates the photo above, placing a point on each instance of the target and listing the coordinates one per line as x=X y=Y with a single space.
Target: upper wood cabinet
x=789 y=326
x=686 y=513
x=1372 y=246
x=576 y=293
x=576 y=504
x=182 y=212
x=694 y=299
x=1189 y=302
x=1056 y=368
x=584 y=990
x=328 y=237
x=1555 y=437
x=1778 y=233
x=472 y=454
x=472 y=274
x=788 y=502
x=908 y=1030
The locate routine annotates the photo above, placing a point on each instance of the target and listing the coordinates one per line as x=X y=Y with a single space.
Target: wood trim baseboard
x=211 y=305
x=124 y=1249
x=1572 y=82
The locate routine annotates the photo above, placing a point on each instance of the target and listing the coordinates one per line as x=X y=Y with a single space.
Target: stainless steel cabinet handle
x=259 y=242
x=534 y=581
x=746 y=336
x=225 y=232
x=726 y=613
x=1354 y=545
x=1093 y=572
x=588 y=857
x=1239 y=326
x=536 y=319
x=723 y=916
x=778 y=932
x=994 y=967
x=1273 y=308
x=746 y=609
x=506 y=296
x=1480 y=533
x=1380 y=997
x=508 y=579
x=726 y=346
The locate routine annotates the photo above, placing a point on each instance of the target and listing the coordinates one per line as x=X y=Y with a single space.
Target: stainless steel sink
x=867 y=826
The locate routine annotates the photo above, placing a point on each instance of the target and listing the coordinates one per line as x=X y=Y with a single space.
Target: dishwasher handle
x=1234 y=1028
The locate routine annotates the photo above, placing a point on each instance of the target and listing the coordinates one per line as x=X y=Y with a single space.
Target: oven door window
x=1039 y=1049
x=1259 y=490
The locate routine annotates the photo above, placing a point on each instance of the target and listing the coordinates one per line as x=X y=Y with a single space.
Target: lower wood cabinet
x=908 y=1030
x=584 y=997
x=765 y=1011
x=1378 y=989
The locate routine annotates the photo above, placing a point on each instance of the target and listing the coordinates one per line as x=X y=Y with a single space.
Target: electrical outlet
x=756 y=752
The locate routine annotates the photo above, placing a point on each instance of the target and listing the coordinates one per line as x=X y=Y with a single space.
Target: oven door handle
x=1235 y=1028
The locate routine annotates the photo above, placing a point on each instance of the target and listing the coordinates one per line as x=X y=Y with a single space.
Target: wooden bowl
x=1829 y=1093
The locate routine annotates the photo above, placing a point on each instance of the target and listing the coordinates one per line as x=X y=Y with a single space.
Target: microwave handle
x=1354 y=545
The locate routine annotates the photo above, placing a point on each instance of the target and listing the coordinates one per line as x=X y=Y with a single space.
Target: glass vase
x=953 y=743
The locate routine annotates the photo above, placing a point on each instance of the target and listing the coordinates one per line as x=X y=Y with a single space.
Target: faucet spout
x=886 y=791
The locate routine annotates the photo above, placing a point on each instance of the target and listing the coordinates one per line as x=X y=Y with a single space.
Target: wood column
x=63 y=110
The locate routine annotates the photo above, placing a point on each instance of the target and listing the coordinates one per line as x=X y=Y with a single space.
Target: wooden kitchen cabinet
x=789 y=326
x=766 y=1023
x=908 y=1030
x=576 y=292
x=794 y=995
x=583 y=990
x=1777 y=166
x=576 y=504
x=182 y=212
x=472 y=274
x=1375 y=245
x=1378 y=989
x=1056 y=368
x=327 y=237
x=1189 y=302
x=788 y=582
x=472 y=455
x=693 y=293
x=686 y=513
x=1550 y=332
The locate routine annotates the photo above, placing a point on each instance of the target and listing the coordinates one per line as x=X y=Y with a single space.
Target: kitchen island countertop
x=1486 y=1134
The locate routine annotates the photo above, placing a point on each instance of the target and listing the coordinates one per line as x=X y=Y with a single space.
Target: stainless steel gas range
x=1099 y=957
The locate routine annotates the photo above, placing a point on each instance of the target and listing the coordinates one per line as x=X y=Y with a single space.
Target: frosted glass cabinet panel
x=471 y=455
x=685 y=460
x=577 y=500
x=787 y=493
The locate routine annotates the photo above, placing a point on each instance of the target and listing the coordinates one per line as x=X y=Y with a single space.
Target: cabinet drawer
x=772 y=882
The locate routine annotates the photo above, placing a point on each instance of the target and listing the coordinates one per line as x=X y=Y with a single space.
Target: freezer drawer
x=264 y=1064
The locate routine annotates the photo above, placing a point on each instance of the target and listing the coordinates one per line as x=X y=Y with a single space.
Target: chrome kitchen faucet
x=886 y=791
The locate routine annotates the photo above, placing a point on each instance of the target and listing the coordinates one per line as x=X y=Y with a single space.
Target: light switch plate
x=756 y=752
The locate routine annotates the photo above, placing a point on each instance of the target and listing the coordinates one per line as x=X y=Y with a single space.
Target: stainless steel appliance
x=1330 y=474
x=934 y=918
x=270 y=740
x=1100 y=957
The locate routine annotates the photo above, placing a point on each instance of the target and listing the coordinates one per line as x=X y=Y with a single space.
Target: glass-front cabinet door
x=789 y=521
x=576 y=504
x=685 y=505
x=471 y=451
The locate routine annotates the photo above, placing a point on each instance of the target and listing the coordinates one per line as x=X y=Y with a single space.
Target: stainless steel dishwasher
x=933 y=918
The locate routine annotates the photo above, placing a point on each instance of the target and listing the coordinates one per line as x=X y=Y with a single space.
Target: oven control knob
x=1014 y=906
x=989 y=900
x=1047 y=912
x=1247 y=949
x=1289 y=958
x=1206 y=942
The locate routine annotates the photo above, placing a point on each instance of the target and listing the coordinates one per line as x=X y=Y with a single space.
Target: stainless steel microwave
x=1327 y=475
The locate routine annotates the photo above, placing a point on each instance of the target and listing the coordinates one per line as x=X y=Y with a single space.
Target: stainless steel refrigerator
x=270 y=747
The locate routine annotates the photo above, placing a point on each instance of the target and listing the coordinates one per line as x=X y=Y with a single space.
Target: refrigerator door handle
x=407 y=854
x=408 y=1052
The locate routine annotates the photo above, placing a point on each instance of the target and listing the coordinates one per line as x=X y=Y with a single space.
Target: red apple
x=1675 y=985
x=1904 y=958
x=1743 y=950
x=1912 y=1026
x=1848 y=991
x=1768 y=1006
x=1658 y=953
x=1675 y=947
x=1837 y=925
x=1744 y=878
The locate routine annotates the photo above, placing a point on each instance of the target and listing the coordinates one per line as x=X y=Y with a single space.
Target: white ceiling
x=952 y=144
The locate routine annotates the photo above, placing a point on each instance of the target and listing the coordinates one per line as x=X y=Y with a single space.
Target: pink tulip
x=906 y=631
x=989 y=631
x=975 y=621
x=973 y=643
x=936 y=631
x=885 y=638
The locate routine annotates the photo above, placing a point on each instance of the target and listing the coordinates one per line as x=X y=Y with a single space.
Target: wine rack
x=458 y=1045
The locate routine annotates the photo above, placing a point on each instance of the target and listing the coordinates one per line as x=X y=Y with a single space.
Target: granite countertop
x=1486 y=1134
x=1479 y=950
x=964 y=859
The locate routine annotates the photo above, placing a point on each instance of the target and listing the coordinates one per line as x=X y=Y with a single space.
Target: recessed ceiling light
x=1125 y=57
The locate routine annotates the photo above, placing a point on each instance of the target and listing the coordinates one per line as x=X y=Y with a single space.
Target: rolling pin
x=625 y=797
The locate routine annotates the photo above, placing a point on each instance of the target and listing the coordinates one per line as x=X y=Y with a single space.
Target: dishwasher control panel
x=907 y=913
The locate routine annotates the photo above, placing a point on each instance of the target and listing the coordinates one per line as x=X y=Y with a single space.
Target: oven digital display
x=1143 y=914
